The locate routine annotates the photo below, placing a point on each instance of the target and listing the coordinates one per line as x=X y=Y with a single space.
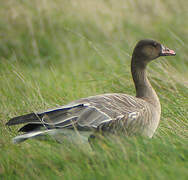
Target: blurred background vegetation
x=52 y=52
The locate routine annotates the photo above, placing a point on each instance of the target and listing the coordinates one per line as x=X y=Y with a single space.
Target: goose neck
x=143 y=87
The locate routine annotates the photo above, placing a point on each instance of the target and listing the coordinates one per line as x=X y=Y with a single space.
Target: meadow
x=53 y=52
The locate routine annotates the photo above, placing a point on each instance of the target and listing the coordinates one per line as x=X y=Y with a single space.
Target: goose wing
x=116 y=112
x=106 y=111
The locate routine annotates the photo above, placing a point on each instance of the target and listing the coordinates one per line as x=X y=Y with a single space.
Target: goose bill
x=167 y=52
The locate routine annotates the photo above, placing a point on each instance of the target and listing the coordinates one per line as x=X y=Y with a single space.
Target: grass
x=53 y=52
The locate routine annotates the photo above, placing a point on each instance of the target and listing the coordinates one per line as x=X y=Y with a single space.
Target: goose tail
x=56 y=134
x=33 y=134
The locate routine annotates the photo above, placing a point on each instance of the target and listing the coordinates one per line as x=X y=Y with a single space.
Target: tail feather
x=56 y=134
x=35 y=126
x=32 y=117
x=50 y=117
x=30 y=127
x=26 y=136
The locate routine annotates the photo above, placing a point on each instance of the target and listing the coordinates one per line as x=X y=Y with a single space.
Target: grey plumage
x=109 y=112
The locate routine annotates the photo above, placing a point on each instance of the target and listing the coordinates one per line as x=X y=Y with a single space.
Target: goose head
x=147 y=50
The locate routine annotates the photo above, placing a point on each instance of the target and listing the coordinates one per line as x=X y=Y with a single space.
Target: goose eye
x=155 y=44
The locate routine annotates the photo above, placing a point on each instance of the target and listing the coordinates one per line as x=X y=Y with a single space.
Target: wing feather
x=108 y=111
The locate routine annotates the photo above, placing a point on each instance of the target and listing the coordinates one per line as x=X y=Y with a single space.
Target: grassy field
x=53 y=52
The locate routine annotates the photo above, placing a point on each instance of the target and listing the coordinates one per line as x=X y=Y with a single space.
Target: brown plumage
x=107 y=112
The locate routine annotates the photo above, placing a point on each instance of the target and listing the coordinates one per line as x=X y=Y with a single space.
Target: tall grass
x=52 y=52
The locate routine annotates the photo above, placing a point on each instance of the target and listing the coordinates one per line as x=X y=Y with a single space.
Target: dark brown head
x=147 y=50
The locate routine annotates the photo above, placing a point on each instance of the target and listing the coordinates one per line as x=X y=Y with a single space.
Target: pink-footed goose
x=113 y=112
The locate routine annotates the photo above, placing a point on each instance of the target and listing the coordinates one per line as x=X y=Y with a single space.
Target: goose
x=112 y=112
